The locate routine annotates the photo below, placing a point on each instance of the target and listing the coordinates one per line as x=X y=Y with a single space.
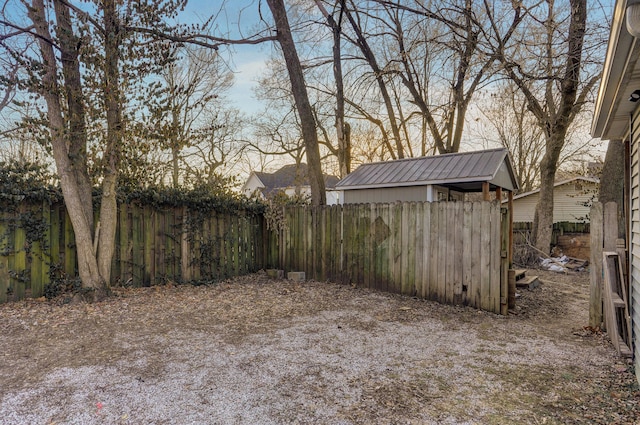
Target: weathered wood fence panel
x=153 y=246
x=450 y=252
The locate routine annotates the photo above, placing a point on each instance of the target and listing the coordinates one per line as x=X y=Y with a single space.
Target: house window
x=442 y=196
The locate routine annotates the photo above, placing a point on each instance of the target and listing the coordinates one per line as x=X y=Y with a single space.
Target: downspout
x=632 y=18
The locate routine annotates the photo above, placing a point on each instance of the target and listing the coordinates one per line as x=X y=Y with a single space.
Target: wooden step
x=528 y=282
x=625 y=351
x=617 y=301
x=520 y=273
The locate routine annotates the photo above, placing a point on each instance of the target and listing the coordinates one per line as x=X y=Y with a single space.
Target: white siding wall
x=333 y=196
x=252 y=185
x=634 y=254
x=568 y=203
x=524 y=208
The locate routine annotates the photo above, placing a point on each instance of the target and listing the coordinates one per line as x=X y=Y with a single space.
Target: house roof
x=290 y=176
x=620 y=77
x=465 y=171
x=559 y=183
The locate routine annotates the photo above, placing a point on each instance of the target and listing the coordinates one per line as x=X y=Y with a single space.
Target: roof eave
x=414 y=183
x=556 y=184
x=608 y=120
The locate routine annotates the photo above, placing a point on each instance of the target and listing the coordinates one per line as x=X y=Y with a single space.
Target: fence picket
x=21 y=283
x=496 y=260
x=419 y=247
x=426 y=248
x=4 y=259
x=467 y=243
x=458 y=252
x=406 y=249
x=396 y=248
x=485 y=258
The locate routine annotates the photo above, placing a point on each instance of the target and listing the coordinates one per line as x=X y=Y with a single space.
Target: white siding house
x=291 y=180
x=571 y=201
x=617 y=119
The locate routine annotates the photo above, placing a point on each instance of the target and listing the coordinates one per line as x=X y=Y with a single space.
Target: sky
x=239 y=18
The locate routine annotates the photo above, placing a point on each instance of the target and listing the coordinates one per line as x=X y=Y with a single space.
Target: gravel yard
x=257 y=351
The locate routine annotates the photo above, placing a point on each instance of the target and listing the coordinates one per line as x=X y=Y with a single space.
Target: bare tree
x=546 y=63
x=303 y=107
x=343 y=151
x=362 y=42
x=184 y=109
x=505 y=120
x=216 y=147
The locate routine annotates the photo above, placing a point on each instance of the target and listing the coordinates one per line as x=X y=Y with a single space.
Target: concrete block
x=275 y=274
x=296 y=276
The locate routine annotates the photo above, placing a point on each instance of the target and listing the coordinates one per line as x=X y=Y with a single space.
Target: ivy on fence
x=164 y=234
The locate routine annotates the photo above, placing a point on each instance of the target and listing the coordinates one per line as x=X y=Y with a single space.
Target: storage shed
x=430 y=178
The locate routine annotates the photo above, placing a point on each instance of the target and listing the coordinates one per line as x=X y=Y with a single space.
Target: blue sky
x=239 y=18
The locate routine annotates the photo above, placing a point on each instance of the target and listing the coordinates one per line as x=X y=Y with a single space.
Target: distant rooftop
x=290 y=176
x=465 y=171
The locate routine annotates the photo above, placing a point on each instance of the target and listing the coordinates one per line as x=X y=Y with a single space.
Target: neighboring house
x=571 y=201
x=291 y=179
x=617 y=119
x=430 y=178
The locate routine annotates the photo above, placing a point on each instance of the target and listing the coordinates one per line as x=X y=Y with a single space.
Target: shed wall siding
x=568 y=204
x=524 y=208
x=386 y=195
x=634 y=255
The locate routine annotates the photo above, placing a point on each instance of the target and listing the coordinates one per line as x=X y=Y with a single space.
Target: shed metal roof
x=464 y=171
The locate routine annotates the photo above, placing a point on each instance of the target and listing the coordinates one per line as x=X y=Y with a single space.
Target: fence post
x=504 y=261
x=4 y=260
x=595 y=288
x=20 y=261
x=185 y=255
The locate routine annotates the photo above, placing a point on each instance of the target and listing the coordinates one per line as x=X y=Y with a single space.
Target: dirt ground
x=258 y=351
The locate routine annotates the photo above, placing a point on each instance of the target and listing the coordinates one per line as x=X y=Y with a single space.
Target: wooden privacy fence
x=450 y=252
x=153 y=245
x=605 y=237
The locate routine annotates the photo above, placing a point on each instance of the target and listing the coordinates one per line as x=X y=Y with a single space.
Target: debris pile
x=563 y=264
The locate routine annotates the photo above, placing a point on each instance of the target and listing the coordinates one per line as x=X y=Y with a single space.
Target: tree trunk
x=543 y=218
x=175 y=137
x=108 y=204
x=343 y=150
x=69 y=46
x=612 y=181
x=299 y=89
x=87 y=264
